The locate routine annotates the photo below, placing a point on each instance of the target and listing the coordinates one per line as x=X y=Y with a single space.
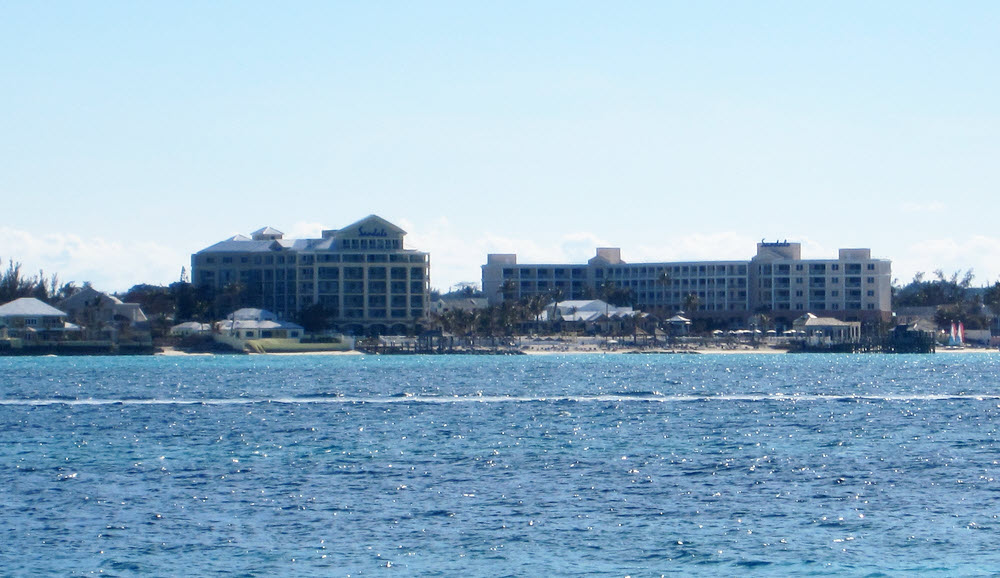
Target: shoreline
x=573 y=349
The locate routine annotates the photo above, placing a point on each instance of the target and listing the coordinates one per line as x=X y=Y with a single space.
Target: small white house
x=258 y=324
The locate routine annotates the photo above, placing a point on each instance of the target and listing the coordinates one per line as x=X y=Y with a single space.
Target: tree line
x=14 y=284
x=953 y=297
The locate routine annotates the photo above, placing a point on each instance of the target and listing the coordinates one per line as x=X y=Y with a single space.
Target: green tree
x=192 y=303
x=508 y=289
x=615 y=295
x=691 y=303
x=663 y=282
x=943 y=290
x=315 y=318
x=991 y=298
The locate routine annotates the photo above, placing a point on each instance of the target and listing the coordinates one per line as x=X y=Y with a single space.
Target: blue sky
x=134 y=134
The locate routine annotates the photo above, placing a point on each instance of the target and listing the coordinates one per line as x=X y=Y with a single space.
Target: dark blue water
x=500 y=466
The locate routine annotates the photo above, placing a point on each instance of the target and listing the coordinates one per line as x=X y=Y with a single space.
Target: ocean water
x=605 y=465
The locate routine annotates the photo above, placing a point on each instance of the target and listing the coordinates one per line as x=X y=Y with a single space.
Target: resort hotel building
x=364 y=278
x=776 y=282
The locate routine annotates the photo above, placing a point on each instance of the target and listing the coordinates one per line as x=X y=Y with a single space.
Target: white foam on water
x=503 y=399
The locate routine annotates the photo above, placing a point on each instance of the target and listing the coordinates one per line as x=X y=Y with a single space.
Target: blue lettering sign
x=362 y=232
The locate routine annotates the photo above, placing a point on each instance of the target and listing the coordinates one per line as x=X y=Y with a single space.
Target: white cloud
x=305 y=230
x=110 y=265
x=456 y=255
x=724 y=246
x=928 y=207
x=977 y=252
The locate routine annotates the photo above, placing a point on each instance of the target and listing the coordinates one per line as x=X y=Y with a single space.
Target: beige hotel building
x=361 y=274
x=776 y=282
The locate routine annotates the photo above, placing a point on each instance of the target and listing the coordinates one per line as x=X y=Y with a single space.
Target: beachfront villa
x=105 y=317
x=252 y=323
x=777 y=283
x=30 y=320
x=258 y=330
x=361 y=275
x=587 y=316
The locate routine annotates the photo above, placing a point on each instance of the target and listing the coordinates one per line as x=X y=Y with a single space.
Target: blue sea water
x=611 y=465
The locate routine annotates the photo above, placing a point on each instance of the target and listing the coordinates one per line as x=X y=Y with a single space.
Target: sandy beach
x=556 y=347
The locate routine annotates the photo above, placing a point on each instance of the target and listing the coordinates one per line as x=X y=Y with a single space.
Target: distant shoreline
x=576 y=349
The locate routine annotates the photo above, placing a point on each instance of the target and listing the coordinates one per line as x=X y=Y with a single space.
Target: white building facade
x=362 y=275
x=776 y=282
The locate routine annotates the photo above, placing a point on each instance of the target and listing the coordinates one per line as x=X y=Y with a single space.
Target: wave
x=408 y=398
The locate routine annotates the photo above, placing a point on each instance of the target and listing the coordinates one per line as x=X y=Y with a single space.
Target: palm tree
x=691 y=303
x=534 y=306
x=508 y=290
x=636 y=315
x=664 y=280
x=556 y=296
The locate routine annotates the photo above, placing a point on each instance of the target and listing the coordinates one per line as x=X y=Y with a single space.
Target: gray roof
x=242 y=245
x=190 y=327
x=29 y=307
x=373 y=220
x=83 y=297
x=267 y=231
x=252 y=314
x=230 y=325
x=262 y=243
x=810 y=320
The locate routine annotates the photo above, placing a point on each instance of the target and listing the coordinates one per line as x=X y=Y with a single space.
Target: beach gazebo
x=678 y=324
